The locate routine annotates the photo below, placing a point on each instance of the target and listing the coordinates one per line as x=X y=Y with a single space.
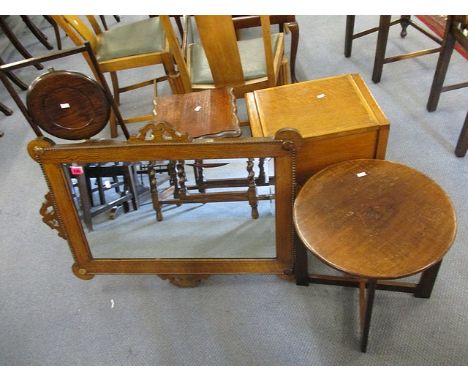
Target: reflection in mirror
x=180 y=210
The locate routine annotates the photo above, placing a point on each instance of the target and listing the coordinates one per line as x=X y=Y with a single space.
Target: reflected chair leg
x=130 y=179
x=350 y=19
x=16 y=43
x=261 y=171
x=294 y=29
x=37 y=32
x=371 y=284
x=5 y=110
x=404 y=22
x=154 y=191
x=382 y=37
x=427 y=281
x=182 y=190
x=440 y=72
x=171 y=171
x=252 y=190
x=85 y=202
x=301 y=272
x=199 y=177
x=462 y=144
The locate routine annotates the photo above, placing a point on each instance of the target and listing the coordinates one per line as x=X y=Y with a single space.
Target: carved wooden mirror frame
x=59 y=210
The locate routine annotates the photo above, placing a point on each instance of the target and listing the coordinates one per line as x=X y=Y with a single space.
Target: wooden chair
x=383 y=30
x=286 y=23
x=456 y=31
x=52 y=107
x=220 y=60
x=127 y=46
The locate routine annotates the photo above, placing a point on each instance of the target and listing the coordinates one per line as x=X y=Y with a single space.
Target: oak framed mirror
x=138 y=242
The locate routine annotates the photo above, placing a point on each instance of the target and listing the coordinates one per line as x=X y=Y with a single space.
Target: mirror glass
x=194 y=228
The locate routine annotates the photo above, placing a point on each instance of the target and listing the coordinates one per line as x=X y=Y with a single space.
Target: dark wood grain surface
x=390 y=223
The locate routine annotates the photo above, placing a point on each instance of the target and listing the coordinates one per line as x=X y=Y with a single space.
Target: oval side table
x=374 y=220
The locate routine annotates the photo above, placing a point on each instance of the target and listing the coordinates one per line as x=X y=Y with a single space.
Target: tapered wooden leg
x=382 y=37
x=349 y=35
x=462 y=144
x=440 y=72
x=300 y=265
x=427 y=281
x=371 y=284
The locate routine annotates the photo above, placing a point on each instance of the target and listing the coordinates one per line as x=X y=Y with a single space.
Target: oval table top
x=375 y=219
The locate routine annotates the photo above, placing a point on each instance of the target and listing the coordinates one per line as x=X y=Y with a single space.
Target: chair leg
x=294 y=29
x=117 y=18
x=404 y=22
x=52 y=22
x=37 y=32
x=15 y=79
x=131 y=180
x=283 y=76
x=154 y=191
x=440 y=72
x=16 y=43
x=371 y=285
x=85 y=201
x=252 y=190
x=350 y=19
x=103 y=21
x=5 y=110
x=382 y=37
x=462 y=144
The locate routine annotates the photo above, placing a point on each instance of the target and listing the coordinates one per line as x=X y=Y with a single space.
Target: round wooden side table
x=374 y=220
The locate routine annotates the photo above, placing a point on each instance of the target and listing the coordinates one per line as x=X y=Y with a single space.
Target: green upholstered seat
x=252 y=58
x=145 y=36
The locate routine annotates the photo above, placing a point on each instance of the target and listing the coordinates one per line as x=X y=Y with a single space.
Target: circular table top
x=375 y=219
x=68 y=105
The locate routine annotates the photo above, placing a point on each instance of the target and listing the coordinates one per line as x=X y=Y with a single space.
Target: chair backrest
x=77 y=29
x=68 y=105
x=218 y=38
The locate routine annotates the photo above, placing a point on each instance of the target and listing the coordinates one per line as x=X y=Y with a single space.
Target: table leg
x=371 y=284
x=301 y=272
x=382 y=37
x=427 y=281
x=349 y=35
